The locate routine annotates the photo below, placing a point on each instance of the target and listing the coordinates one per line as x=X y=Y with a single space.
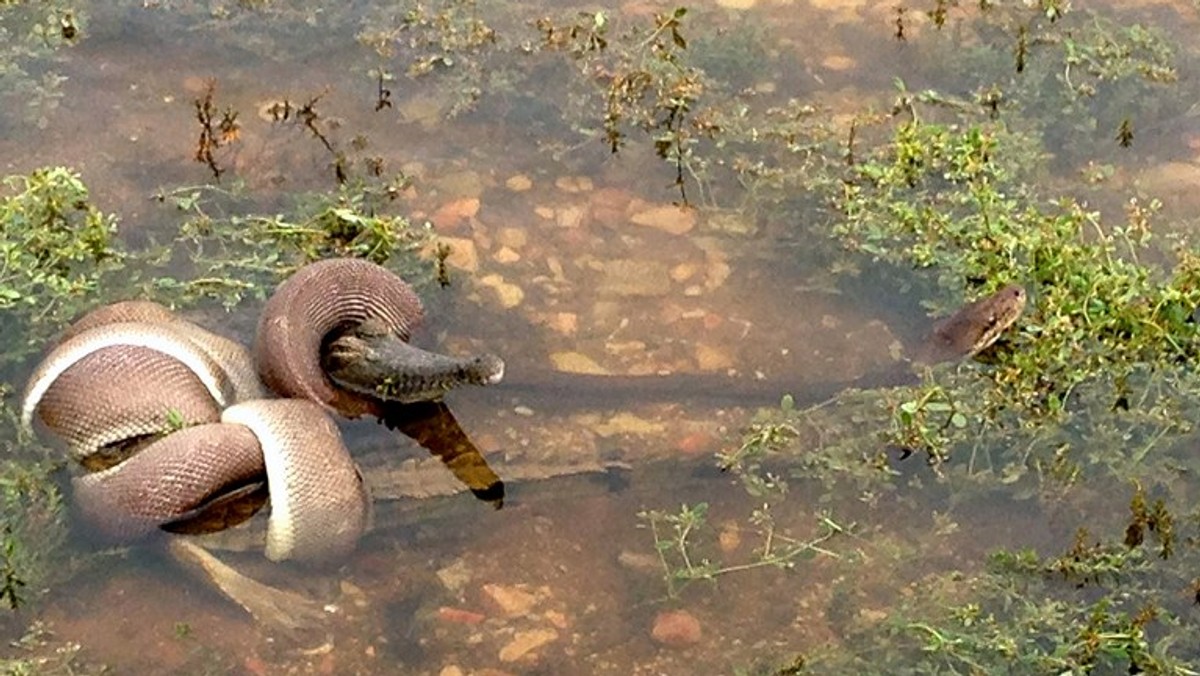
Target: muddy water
x=576 y=261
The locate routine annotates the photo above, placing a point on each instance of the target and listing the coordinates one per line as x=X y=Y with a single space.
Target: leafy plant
x=30 y=35
x=683 y=542
x=231 y=257
x=58 y=251
x=32 y=531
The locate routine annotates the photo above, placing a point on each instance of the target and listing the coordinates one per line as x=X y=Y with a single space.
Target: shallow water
x=553 y=269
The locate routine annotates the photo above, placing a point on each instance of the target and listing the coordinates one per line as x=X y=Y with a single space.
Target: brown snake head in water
x=976 y=326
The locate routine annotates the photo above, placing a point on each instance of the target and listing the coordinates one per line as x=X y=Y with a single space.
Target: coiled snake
x=170 y=419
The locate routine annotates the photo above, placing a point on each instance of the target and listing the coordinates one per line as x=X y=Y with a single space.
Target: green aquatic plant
x=58 y=252
x=62 y=255
x=1074 y=76
x=450 y=41
x=11 y=581
x=945 y=198
x=684 y=544
x=1102 y=605
x=31 y=34
x=1093 y=381
x=231 y=257
x=32 y=531
x=38 y=651
x=1093 y=389
x=644 y=83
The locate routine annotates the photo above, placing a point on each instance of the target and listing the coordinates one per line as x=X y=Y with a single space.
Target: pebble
x=463 y=254
x=635 y=278
x=839 y=63
x=510 y=295
x=544 y=213
x=730 y=223
x=514 y=238
x=354 y=593
x=455 y=576
x=696 y=443
x=423 y=110
x=1175 y=180
x=256 y=666
x=565 y=323
x=511 y=600
x=576 y=362
x=267 y=110
x=684 y=271
x=626 y=348
x=459 y=616
x=736 y=4
x=609 y=206
x=518 y=183
x=628 y=424
x=666 y=218
x=716 y=274
x=729 y=538
x=195 y=84
x=415 y=169
x=523 y=411
x=574 y=184
x=846 y=6
x=676 y=628
x=506 y=256
x=524 y=643
x=556 y=618
x=712 y=358
x=452 y=670
x=460 y=184
x=452 y=216
x=570 y=217
x=640 y=561
x=872 y=615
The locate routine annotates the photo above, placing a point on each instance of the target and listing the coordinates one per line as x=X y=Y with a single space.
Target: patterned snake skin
x=173 y=416
x=319 y=299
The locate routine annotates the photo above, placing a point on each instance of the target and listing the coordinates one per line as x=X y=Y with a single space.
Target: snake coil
x=167 y=417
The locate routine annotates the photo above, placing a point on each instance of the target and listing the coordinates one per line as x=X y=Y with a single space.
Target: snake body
x=170 y=417
x=172 y=424
x=319 y=300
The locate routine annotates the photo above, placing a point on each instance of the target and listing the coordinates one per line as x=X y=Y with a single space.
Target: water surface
x=568 y=256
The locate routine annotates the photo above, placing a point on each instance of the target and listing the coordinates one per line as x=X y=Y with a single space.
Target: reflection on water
x=564 y=257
